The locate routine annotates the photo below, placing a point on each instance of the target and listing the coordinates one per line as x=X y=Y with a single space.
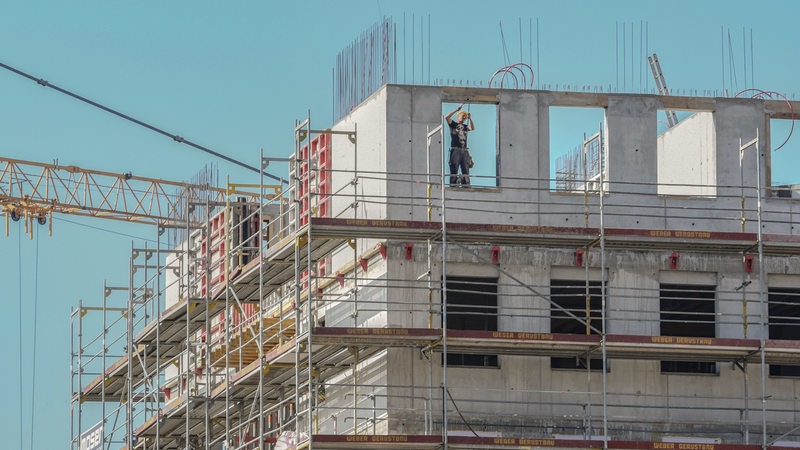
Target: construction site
x=369 y=304
x=645 y=294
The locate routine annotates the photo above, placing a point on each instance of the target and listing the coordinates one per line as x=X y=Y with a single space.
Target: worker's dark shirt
x=458 y=134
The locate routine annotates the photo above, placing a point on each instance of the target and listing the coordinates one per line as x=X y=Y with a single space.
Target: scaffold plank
x=424 y=442
x=114 y=378
x=680 y=348
x=624 y=238
x=171 y=326
x=559 y=344
x=401 y=337
x=416 y=442
x=275 y=361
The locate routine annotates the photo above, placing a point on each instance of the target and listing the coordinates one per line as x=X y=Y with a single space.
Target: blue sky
x=234 y=76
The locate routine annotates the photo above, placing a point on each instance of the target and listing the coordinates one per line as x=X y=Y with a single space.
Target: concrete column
x=631 y=139
x=518 y=141
x=736 y=119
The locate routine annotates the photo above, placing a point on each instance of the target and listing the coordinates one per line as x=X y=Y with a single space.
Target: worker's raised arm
x=450 y=114
x=471 y=126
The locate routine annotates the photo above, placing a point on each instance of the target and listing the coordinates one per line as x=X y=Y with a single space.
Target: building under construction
x=647 y=297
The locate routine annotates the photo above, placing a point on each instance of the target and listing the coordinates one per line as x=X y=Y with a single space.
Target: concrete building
x=649 y=301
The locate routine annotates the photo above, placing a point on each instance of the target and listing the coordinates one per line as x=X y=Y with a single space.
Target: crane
x=33 y=191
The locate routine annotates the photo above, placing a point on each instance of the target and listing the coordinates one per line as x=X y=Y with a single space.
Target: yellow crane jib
x=34 y=191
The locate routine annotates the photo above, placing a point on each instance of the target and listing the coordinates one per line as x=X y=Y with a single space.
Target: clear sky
x=234 y=76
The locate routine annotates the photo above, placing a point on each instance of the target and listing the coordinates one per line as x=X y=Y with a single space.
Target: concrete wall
x=525 y=390
x=738 y=120
x=631 y=139
x=393 y=123
x=412 y=112
x=369 y=156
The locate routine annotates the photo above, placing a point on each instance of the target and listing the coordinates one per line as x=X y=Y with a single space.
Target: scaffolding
x=307 y=319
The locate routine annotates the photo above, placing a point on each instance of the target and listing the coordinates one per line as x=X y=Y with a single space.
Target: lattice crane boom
x=34 y=191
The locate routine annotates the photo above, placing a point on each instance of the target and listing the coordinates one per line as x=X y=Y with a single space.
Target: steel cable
x=174 y=137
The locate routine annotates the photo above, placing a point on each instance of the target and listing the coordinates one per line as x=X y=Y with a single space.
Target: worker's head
x=462 y=116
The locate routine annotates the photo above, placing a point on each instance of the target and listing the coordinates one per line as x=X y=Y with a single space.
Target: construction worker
x=459 y=152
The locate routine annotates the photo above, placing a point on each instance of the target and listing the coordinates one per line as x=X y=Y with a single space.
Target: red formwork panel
x=212 y=276
x=319 y=151
x=323 y=152
x=212 y=269
x=216 y=252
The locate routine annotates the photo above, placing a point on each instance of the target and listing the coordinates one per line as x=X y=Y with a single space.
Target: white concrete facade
x=394 y=169
x=392 y=125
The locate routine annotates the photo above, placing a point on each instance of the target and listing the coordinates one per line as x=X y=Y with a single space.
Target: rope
x=35 y=316
x=174 y=137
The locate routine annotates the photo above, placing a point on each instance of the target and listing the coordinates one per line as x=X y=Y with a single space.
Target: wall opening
x=784 y=323
x=688 y=310
x=482 y=142
x=584 y=301
x=575 y=157
x=472 y=305
x=687 y=153
x=784 y=146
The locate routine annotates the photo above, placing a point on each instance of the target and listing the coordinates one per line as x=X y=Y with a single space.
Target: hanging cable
x=771 y=95
x=35 y=316
x=174 y=137
x=61 y=219
x=506 y=59
x=19 y=283
x=459 y=413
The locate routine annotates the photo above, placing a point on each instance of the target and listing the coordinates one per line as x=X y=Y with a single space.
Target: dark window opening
x=784 y=323
x=688 y=310
x=571 y=295
x=472 y=305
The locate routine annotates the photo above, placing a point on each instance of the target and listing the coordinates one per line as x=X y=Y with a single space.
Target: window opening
x=781 y=169
x=472 y=305
x=481 y=143
x=784 y=323
x=575 y=149
x=688 y=310
x=687 y=154
x=572 y=296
